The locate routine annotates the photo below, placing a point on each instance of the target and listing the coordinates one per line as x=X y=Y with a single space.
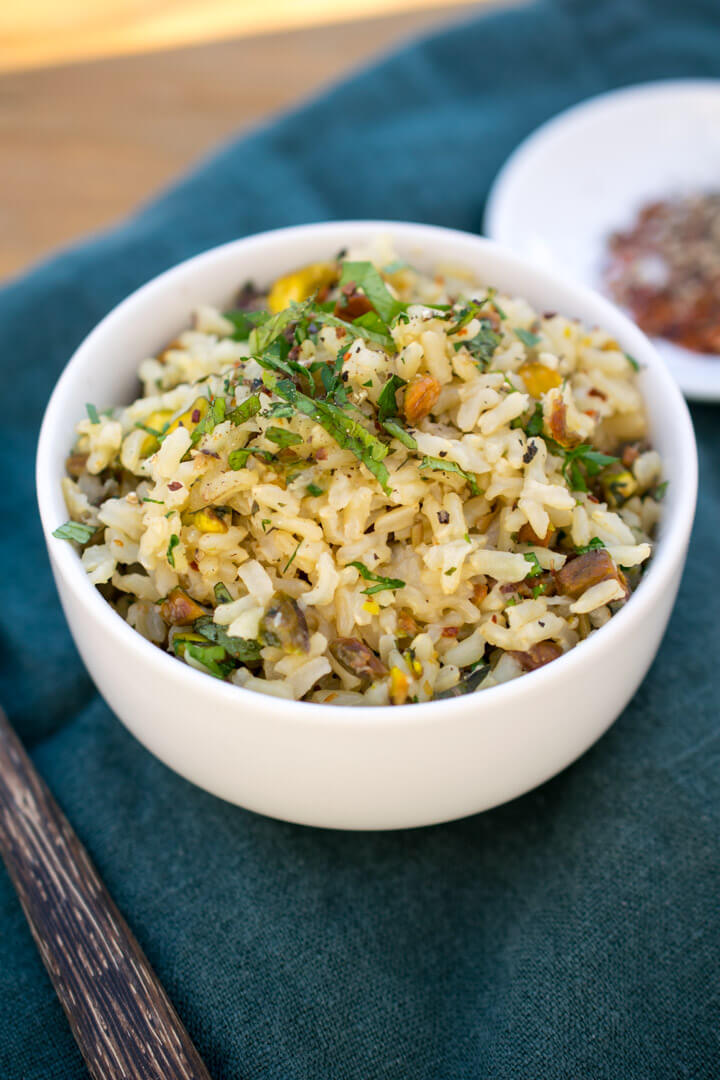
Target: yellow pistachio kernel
x=206 y=520
x=619 y=486
x=300 y=284
x=157 y=421
x=538 y=378
x=399 y=684
x=191 y=417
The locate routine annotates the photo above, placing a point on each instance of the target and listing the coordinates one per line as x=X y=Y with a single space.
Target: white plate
x=587 y=172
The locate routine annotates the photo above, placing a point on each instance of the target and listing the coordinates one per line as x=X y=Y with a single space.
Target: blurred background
x=102 y=102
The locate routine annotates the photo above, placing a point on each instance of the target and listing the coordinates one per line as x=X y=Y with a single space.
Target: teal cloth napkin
x=572 y=933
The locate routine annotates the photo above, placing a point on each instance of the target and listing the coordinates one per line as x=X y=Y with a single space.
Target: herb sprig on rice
x=370 y=485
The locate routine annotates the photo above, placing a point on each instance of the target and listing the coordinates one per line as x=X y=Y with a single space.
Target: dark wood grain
x=119 y=1013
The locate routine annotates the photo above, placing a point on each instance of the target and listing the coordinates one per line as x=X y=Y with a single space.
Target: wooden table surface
x=85 y=143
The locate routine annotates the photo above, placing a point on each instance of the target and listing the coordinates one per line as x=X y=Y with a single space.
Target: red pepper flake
x=193 y=565
x=195 y=416
x=175 y=485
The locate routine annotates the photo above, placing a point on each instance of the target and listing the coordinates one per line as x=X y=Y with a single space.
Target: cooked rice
x=476 y=555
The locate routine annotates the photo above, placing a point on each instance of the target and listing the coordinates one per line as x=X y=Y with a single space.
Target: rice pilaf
x=370 y=485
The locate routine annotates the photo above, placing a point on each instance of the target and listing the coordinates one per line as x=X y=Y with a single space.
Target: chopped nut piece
x=358 y=658
x=75 y=464
x=179 y=609
x=557 y=425
x=537 y=656
x=421 y=397
x=578 y=575
x=527 y=535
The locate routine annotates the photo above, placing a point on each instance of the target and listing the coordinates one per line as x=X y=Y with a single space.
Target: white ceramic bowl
x=587 y=172
x=357 y=768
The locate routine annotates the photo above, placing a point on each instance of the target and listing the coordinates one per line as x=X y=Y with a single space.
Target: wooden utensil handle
x=119 y=1013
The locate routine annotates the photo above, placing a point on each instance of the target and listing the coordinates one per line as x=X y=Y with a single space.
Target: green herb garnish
x=222 y=593
x=347 y=432
x=212 y=657
x=450 y=466
x=75 y=530
x=282 y=437
x=368 y=278
x=528 y=338
x=382 y=582
x=632 y=361
x=387 y=404
x=313 y=489
x=214 y=416
x=263 y=336
x=238 y=459
x=579 y=462
x=92 y=413
x=245 y=410
x=394 y=428
x=535 y=567
x=246 y=650
x=534 y=425
x=658 y=493
x=245 y=322
x=483 y=345
x=174 y=541
x=291 y=560
x=594 y=545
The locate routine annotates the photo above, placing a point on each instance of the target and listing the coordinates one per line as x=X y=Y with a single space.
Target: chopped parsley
x=368 y=278
x=313 y=489
x=387 y=404
x=534 y=425
x=279 y=410
x=75 y=530
x=594 y=545
x=538 y=590
x=246 y=650
x=580 y=462
x=282 y=437
x=346 y=431
x=245 y=410
x=450 y=466
x=535 y=567
x=382 y=582
x=222 y=593
x=245 y=322
x=528 y=338
x=481 y=347
x=658 y=493
x=395 y=428
x=238 y=459
x=92 y=413
x=174 y=541
x=291 y=560
x=214 y=416
x=211 y=657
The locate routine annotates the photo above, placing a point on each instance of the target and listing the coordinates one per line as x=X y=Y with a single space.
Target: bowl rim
x=668 y=552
